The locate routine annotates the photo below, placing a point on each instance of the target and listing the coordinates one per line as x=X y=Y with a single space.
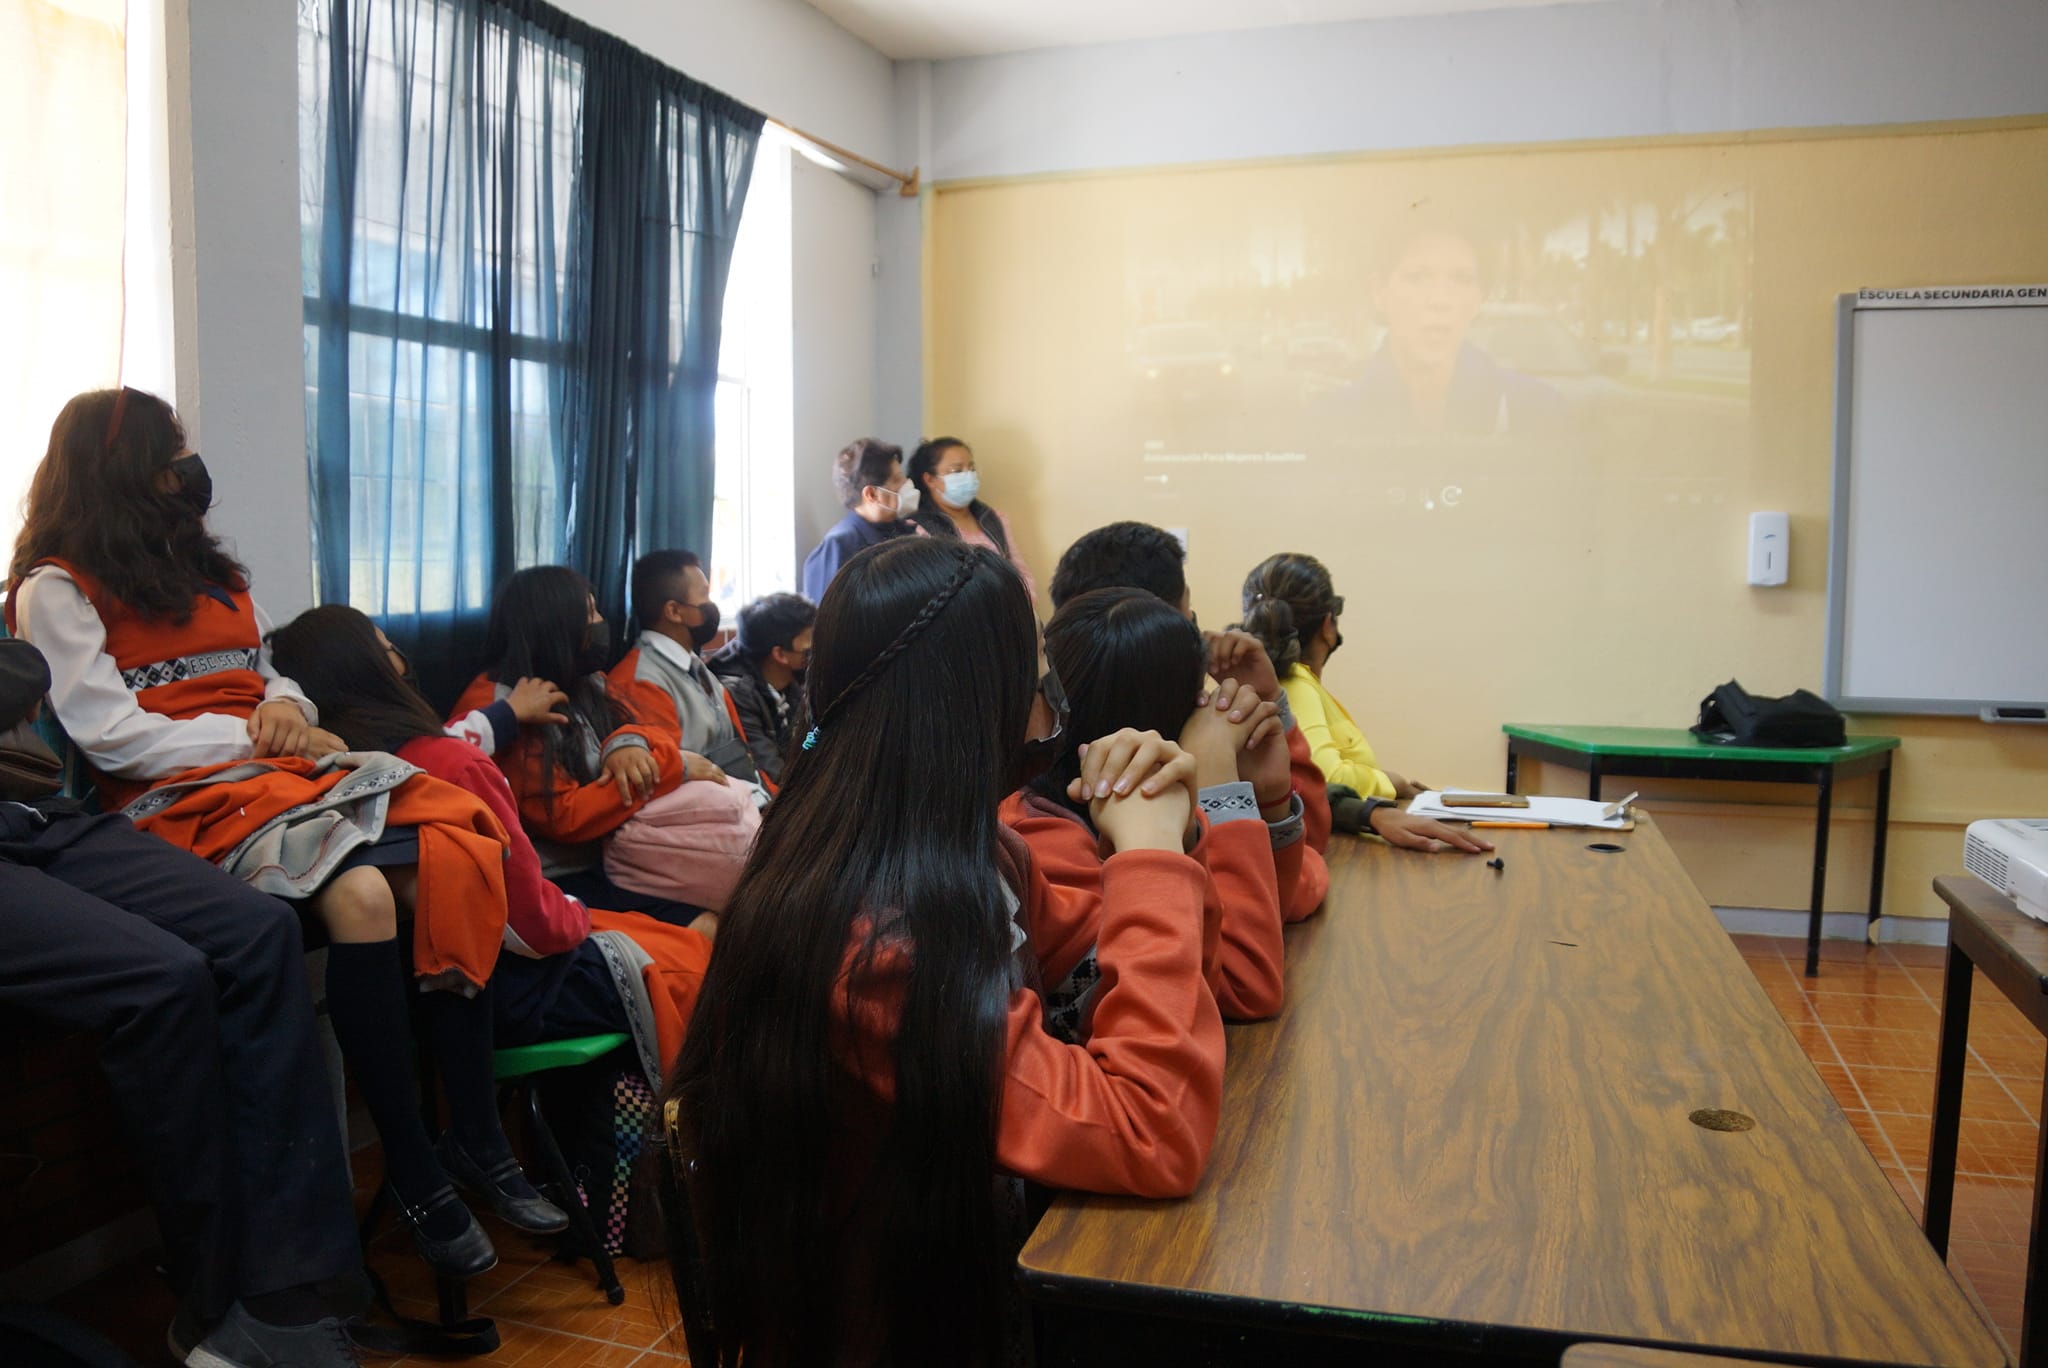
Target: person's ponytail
x=1287 y=598
x=1272 y=622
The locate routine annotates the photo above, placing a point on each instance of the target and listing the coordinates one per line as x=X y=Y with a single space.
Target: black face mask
x=195 y=485
x=1037 y=755
x=1335 y=644
x=707 y=627
x=594 y=653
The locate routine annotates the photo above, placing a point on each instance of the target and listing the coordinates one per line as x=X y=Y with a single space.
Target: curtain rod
x=906 y=184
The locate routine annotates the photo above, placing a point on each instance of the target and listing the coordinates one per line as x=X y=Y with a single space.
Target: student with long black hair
x=580 y=780
x=869 y=1053
x=159 y=675
x=557 y=979
x=1125 y=658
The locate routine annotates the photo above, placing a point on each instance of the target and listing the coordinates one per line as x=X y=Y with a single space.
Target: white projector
x=2011 y=854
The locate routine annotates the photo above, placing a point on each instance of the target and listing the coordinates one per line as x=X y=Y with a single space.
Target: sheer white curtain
x=69 y=185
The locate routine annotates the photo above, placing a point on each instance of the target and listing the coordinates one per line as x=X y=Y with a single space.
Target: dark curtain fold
x=517 y=231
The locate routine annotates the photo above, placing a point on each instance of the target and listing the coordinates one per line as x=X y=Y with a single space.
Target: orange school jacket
x=679 y=958
x=579 y=813
x=459 y=909
x=549 y=922
x=654 y=707
x=1241 y=898
x=1315 y=803
x=1134 y=1110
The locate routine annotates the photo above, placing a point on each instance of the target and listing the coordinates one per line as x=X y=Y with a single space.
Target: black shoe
x=463 y=1255
x=504 y=1186
x=242 y=1341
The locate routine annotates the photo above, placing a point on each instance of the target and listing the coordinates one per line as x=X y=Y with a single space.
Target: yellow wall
x=1571 y=580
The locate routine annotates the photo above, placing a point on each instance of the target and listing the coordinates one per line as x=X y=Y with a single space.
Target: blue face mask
x=962 y=487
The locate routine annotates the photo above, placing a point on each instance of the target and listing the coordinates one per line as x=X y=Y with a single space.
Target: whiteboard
x=1938 y=582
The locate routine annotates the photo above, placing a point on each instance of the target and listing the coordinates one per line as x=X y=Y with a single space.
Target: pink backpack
x=688 y=844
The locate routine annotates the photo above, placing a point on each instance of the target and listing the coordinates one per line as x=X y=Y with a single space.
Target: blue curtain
x=516 y=231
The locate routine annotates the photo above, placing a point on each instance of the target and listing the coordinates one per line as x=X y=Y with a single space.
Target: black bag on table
x=1732 y=715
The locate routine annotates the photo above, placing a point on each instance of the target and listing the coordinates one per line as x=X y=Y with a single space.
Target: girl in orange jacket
x=553 y=981
x=1127 y=659
x=869 y=1054
x=579 y=781
x=160 y=677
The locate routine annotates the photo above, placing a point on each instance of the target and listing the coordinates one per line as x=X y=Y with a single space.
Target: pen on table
x=1510 y=826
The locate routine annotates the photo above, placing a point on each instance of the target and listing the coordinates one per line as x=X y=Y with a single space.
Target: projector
x=2011 y=854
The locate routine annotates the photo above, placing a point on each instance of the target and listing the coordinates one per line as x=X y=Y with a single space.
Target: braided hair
x=882 y=843
x=912 y=630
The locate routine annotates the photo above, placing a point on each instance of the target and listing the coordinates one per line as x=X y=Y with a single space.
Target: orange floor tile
x=1868 y=1023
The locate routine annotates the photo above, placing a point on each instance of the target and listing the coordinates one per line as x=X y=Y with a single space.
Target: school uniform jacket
x=1241 y=895
x=1134 y=1110
x=567 y=829
x=669 y=687
x=190 y=690
x=541 y=919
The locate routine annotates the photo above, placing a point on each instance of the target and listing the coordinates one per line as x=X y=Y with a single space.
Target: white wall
x=834 y=297
x=1624 y=69
x=899 y=252
x=233 y=98
x=233 y=94
x=780 y=56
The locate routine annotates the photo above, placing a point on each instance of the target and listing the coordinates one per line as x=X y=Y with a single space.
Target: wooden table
x=1674 y=753
x=1468 y=1131
x=1985 y=931
x=1632 y=1356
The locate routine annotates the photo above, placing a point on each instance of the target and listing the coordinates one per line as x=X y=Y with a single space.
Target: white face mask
x=906 y=501
x=962 y=487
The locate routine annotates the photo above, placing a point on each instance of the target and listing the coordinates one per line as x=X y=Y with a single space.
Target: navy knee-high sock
x=367 y=1002
x=458 y=1032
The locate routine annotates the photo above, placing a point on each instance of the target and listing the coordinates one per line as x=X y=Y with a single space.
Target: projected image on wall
x=1356 y=319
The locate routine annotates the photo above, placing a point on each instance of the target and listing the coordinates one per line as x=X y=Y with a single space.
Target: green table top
x=1677 y=743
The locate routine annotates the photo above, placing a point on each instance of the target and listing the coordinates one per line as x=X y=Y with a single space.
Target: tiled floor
x=1869 y=1024
x=548 y=1314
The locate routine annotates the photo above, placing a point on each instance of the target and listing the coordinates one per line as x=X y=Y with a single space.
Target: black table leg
x=1820 y=869
x=1884 y=821
x=1593 y=777
x=2034 y=1308
x=1949 y=1066
x=1514 y=768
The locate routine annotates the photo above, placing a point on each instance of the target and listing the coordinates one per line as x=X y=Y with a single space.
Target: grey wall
x=832 y=362
x=1629 y=68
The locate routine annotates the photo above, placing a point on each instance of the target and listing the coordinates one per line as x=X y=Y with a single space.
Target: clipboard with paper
x=1557 y=812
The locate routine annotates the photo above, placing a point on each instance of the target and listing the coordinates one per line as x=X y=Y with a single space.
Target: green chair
x=516 y=1068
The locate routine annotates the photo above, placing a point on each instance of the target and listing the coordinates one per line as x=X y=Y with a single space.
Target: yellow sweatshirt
x=1340 y=749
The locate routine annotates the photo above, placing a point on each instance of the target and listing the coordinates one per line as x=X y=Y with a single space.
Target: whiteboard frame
x=1846 y=308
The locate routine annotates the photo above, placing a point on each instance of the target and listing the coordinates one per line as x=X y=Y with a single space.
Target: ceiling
x=939 y=29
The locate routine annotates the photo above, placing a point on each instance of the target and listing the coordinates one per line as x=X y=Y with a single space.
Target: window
x=430 y=268
x=753 y=533
x=85 y=258
x=513 y=225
